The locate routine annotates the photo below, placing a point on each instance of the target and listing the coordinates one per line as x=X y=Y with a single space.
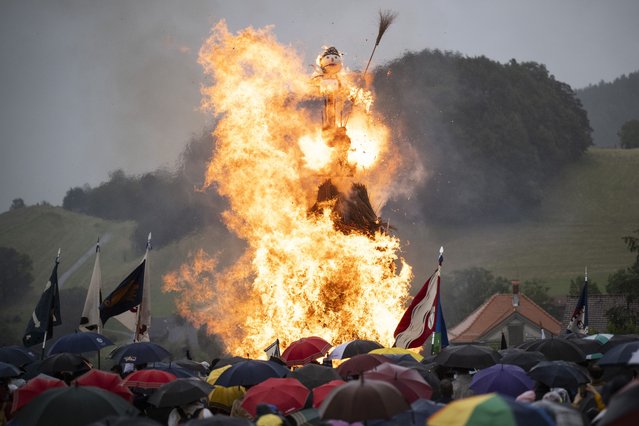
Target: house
x=598 y=305
x=516 y=315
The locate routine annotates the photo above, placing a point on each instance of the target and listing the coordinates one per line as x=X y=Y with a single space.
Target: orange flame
x=298 y=276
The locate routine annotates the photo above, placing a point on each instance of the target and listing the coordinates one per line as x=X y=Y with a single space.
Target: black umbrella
x=71 y=406
x=314 y=375
x=180 y=392
x=64 y=363
x=557 y=349
x=17 y=355
x=227 y=361
x=125 y=421
x=468 y=357
x=220 y=420
x=9 y=370
x=561 y=374
x=173 y=368
x=618 y=339
x=619 y=355
x=250 y=372
x=522 y=358
x=352 y=348
x=140 y=353
x=77 y=343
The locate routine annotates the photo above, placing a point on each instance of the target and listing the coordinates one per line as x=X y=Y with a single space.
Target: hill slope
x=580 y=223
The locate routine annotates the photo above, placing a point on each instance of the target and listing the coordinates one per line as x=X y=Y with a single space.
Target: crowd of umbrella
x=369 y=384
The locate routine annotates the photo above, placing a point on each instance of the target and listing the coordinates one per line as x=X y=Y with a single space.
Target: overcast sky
x=87 y=87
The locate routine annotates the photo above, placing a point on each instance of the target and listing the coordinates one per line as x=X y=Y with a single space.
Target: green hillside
x=581 y=222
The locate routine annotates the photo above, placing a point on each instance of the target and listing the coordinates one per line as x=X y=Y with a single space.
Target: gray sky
x=87 y=87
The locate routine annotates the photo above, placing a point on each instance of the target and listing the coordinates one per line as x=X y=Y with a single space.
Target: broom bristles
x=386 y=18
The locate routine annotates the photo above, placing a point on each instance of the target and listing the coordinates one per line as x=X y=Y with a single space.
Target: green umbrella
x=71 y=406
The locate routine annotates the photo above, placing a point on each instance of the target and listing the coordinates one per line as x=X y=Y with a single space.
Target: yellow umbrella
x=223 y=397
x=397 y=351
x=214 y=374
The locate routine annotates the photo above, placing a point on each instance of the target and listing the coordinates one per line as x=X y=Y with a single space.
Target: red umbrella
x=148 y=379
x=321 y=392
x=360 y=363
x=407 y=380
x=105 y=380
x=305 y=350
x=286 y=394
x=33 y=388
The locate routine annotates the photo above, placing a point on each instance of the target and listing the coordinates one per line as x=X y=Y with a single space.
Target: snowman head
x=330 y=61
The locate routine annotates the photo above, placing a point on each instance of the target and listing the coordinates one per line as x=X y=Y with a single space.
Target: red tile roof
x=494 y=311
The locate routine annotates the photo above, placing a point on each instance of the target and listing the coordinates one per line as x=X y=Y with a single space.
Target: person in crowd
x=446 y=391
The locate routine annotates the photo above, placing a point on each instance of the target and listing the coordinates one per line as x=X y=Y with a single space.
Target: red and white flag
x=419 y=320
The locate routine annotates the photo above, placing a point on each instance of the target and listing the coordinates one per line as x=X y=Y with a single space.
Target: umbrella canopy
x=588 y=346
x=17 y=355
x=223 y=397
x=522 y=358
x=558 y=349
x=321 y=392
x=397 y=351
x=71 y=406
x=305 y=350
x=407 y=381
x=33 y=388
x=148 y=379
x=173 y=368
x=356 y=365
x=623 y=408
x=504 y=379
x=180 y=392
x=305 y=417
x=419 y=411
x=619 y=355
x=220 y=420
x=108 y=381
x=250 y=372
x=564 y=415
x=468 y=357
x=363 y=400
x=126 y=421
x=227 y=361
x=287 y=394
x=140 y=353
x=64 y=363
x=314 y=375
x=618 y=339
x=489 y=409
x=559 y=374
x=215 y=374
x=77 y=343
x=352 y=348
x=9 y=370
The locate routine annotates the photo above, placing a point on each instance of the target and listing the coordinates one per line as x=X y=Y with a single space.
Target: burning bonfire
x=318 y=260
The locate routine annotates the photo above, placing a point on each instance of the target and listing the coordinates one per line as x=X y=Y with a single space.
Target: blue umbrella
x=505 y=379
x=140 y=353
x=17 y=355
x=173 y=368
x=250 y=372
x=619 y=355
x=9 y=370
x=78 y=343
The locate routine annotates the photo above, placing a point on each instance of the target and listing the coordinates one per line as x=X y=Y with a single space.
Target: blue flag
x=127 y=296
x=579 y=320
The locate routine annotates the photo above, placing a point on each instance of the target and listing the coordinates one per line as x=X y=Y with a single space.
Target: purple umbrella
x=505 y=379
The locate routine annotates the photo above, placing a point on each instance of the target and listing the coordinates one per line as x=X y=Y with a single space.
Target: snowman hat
x=331 y=51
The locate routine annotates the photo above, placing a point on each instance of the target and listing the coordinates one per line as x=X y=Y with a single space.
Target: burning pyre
x=317 y=261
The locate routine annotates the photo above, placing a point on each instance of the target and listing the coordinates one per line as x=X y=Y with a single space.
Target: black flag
x=503 y=345
x=126 y=296
x=46 y=313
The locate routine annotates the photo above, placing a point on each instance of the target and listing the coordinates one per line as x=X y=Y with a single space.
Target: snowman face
x=331 y=64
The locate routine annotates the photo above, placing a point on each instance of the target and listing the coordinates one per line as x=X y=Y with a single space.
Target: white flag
x=273 y=349
x=90 y=320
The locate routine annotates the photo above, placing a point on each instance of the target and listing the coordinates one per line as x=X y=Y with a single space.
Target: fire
x=299 y=275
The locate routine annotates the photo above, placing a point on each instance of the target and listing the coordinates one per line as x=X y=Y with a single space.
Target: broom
x=385 y=19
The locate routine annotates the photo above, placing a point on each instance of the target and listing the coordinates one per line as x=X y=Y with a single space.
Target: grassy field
x=580 y=223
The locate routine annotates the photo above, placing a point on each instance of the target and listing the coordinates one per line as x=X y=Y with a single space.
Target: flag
x=46 y=313
x=143 y=322
x=126 y=297
x=90 y=319
x=440 y=339
x=579 y=320
x=543 y=333
x=273 y=350
x=504 y=344
x=418 y=322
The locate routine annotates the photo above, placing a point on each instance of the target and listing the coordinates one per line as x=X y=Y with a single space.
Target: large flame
x=299 y=275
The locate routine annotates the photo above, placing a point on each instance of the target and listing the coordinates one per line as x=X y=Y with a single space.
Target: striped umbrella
x=489 y=410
